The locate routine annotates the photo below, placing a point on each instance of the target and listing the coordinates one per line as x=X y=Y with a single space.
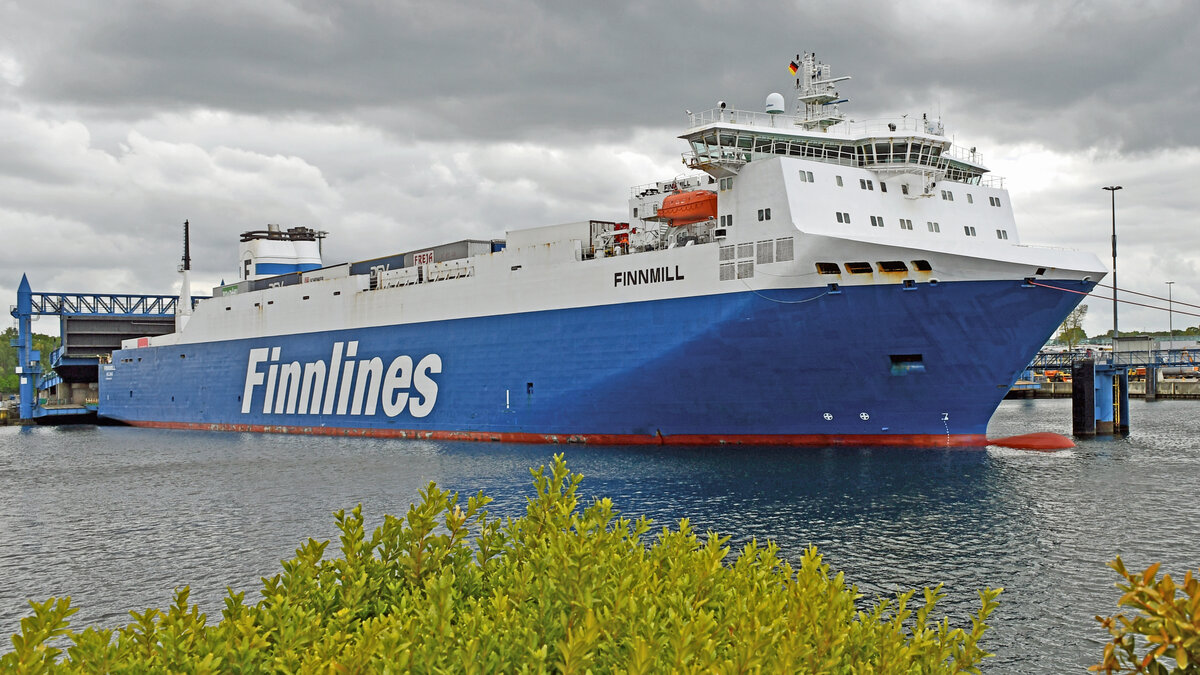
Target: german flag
x=793 y=67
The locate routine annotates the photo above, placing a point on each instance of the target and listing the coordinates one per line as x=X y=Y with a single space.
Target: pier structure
x=91 y=326
x=1100 y=386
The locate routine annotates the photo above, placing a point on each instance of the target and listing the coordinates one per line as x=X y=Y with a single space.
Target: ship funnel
x=274 y=251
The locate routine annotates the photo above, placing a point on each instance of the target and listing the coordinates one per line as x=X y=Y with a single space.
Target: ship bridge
x=725 y=139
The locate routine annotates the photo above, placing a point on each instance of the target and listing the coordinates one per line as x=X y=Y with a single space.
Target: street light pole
x=1112 y=190
x=1170 y=314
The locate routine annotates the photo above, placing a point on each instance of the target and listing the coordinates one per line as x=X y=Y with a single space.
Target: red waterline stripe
x=918 y=440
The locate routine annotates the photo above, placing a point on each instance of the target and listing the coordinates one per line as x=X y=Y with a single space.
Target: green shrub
x=448 y=589
x=1168 y=624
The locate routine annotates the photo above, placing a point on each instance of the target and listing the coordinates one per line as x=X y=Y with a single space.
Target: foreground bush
x=1167 y=625
x=447 y=589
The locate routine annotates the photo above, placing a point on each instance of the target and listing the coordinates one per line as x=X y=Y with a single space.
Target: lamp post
x=1170 y=314
x=1112 y=190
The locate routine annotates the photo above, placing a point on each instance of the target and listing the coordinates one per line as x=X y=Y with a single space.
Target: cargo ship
x=806 y=279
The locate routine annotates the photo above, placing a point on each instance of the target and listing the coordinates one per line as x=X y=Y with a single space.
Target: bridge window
x=828 y=268
x=858 y=267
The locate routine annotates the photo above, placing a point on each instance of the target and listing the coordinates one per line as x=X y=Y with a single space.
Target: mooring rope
x=1128 y=302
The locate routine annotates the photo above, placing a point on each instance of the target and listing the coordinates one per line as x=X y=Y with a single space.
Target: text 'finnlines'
x=315 y=387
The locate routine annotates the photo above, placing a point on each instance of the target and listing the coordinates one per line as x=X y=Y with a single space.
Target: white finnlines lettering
x=314 y=388
x=425 y=385
x=335 y=363
x=253 y=377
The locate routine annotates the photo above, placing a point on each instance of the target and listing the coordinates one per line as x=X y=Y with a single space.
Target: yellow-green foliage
x=448 y=589
x=1168 y=623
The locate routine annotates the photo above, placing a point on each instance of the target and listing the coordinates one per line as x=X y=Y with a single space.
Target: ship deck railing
x=879 y=127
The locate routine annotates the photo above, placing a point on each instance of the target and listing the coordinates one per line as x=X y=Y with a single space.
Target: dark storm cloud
x=1069 y=74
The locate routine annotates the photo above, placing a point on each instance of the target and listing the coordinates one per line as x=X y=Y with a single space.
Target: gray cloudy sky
x=395 y=125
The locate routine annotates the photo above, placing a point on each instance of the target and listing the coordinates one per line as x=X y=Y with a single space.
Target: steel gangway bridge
x=91 y=326
x=1154 y=358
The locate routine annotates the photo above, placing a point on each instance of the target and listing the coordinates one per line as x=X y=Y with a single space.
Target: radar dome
x=775 y=104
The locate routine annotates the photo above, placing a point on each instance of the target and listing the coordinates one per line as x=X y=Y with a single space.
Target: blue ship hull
x=871 y=364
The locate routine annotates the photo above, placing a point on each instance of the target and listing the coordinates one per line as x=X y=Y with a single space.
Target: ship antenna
x=187 y=247
x=183 y=309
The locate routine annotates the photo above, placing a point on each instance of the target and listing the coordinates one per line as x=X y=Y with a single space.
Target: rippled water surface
x=118 y=517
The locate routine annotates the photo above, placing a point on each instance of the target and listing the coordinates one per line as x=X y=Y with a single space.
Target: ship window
x=905 y=224
x=745 y=269
x=727 y=272
x=783 y=249
x=727 y=253
x=760 y=215
x=257 y=304
x=228 y=308
x=745 y=250
x=882 y=186
x=903 y=364
x=839 y=217
x=969 y=230
x=828 y=268
x=876 y=221
x=843 y=217
x=337 y=292
x=892 y=266
x=904 y=188
x=270 y=302
x=810 y=176
x=839 y=181
x=933 y=227
x=1040 y=271
x=768 y=213
x=858 y=267
x=1001 y=234
x=970 y=199
x=635 y=212
x=922 y=265
x=862 y=183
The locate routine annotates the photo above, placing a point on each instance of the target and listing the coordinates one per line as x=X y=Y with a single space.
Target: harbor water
x=117 y=517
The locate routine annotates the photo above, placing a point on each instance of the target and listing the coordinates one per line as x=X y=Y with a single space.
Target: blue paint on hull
x=783 y=362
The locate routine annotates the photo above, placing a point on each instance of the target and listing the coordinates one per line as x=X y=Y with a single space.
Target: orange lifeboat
x=685 y=208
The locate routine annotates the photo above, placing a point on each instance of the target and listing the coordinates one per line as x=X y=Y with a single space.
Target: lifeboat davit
x=685 y=208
